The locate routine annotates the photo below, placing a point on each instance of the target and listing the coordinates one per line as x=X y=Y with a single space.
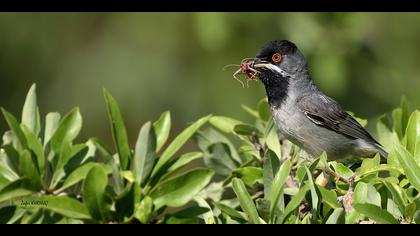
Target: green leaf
x=314 y=195
x=328 y=197
x=411 y=168
x=397 y=195
x=368 y=164
x=337 y=217
x=144 y=210
x=223 y=123
x=17 y=188
x=249 y=174
x=179 y=190
x=218 y=157
x=15 y=127
x=180 y=162
x=36 y=146
x=210 y=136
x=392 y=208
x=244 y=129
x=342 y=170
x=271 y=166
x=80 y=174
x=67 y=130
x=128 y=175
x=27 y=169
x=162 y=128
x=184 y=159
x=127 y=201
x=236 y=215
x=245 y=200
x=376 y=213
x=6 y=214
x=295 y=202
x=413 y=132
x=278 y=182
x=94 y=194
x=52 y=121
x=264 y=109
x=263 y=207
x=178 y=142
x=119 y=133
x=30 y=114
x=71 y=157
x=397 y=122
x=366 y=193
x=386 y=137
x=250 y=111
x=63 y=205
x=273 y=142
x=144 y=155
x=208 y=217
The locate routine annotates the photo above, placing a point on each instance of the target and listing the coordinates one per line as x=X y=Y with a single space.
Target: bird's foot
x=347 y=199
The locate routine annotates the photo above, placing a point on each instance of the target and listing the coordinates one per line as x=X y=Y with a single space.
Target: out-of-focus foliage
x=149 y=61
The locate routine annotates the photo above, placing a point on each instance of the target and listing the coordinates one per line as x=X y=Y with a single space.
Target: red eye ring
x=276 y=57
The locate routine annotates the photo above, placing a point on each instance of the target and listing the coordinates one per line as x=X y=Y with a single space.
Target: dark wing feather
x=325 y=112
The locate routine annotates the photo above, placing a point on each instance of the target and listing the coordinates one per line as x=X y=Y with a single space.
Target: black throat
x=276 y=88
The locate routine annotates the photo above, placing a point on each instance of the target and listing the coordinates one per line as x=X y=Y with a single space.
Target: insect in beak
x=246 y=68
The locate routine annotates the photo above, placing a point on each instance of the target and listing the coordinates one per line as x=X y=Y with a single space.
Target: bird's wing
x=326 y=112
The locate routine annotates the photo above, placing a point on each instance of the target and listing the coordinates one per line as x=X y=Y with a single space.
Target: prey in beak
x=252 y=67
x=247 y=68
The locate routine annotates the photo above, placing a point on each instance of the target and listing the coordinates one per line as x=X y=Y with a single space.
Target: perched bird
x=303 y=114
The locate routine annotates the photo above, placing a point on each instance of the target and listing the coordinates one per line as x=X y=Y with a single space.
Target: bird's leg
x=347 y=199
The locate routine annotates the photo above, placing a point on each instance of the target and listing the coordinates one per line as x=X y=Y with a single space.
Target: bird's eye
x=276 y=57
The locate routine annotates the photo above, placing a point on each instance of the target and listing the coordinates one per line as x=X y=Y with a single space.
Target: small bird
x=303 y=114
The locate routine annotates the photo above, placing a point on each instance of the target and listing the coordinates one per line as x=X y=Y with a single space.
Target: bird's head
x=279 y=59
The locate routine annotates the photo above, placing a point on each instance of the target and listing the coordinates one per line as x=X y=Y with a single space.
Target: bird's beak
x=261 y=64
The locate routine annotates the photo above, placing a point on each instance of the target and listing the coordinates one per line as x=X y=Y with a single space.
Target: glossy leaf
x=30 y=113
x=36 y=146
x=162 y=128
x=80 y=174
x=249 y=174
x=271 y=166
x=411 y=168
x=67 y=130
x=178 y=142
x=236 y=215
x=245 y=200
x=27 y=169
x=336 y=217
x=119 y=133
x=376 y=213
x=52 y=121
x=224 y=124
x=64 y=205
x=413 y=132
x=144 y=210
x=278 y=182
x=144 y=155
x=94 y=194
x=17 y=188
x=179 y=190
x=15 y=127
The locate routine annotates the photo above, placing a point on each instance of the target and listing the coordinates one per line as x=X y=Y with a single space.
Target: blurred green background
x=152 y=62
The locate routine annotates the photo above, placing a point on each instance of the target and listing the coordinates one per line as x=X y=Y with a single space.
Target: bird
x=305 y=115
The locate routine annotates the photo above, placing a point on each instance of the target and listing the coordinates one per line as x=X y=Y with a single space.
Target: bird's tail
x=382 y=153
